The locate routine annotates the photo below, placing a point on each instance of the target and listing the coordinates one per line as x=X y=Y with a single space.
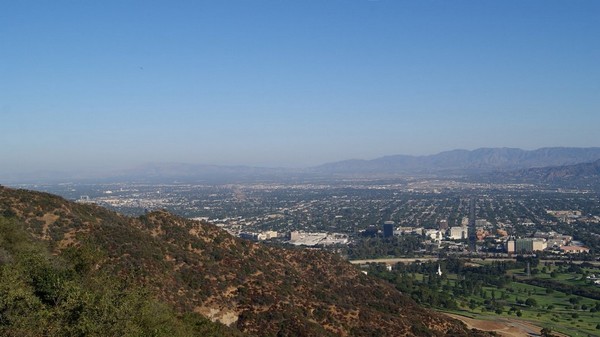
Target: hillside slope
x=196 y=267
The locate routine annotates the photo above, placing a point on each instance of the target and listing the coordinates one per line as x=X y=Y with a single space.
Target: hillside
x=195 y=267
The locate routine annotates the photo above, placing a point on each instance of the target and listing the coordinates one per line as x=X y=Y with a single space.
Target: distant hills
x=582 y=175
x=465 y=161
x=579 y=171
x=455 y=162
x=95 y=272
x=448 y=163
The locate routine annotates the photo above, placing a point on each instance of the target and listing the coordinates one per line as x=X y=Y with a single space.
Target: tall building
x=388 y=229
x=443 y=225
x=472 y=228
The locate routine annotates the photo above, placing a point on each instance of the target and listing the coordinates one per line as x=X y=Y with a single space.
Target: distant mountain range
x=580 y=171
x=582 y=175
x=448 y=163
x=465 y=161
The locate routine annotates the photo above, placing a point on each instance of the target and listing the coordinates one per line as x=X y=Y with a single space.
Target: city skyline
x=265 y=83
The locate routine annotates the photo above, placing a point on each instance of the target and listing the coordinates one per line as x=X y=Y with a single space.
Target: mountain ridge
x=582 y=175
x=465 y=161
x=552 y=173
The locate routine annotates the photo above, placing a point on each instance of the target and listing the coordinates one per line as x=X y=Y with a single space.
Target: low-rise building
x=481 y=223
x=313 y=239
x=574 y=249
x=409 y=230
x=458 y=233
x=433 y=234
x=526 y=245
x=258 y=236
x=270 y=234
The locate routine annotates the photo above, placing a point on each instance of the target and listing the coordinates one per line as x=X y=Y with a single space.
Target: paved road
x=406 y=260
x=394 y=260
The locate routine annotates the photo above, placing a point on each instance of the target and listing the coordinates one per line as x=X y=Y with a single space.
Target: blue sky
x=110 y=84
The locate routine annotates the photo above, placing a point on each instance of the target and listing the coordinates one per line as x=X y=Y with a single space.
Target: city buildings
x=458 y=233
x=525 y=245
x=298 y=238
x=443 y=225
x=388 y=229
x=574 y=249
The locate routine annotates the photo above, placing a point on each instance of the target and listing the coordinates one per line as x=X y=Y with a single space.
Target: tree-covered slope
x=46 y=295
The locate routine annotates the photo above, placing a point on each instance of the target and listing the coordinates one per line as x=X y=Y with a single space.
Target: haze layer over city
x=87 y=88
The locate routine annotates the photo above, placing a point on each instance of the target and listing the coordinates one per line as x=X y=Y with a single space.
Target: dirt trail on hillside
x=505 y=327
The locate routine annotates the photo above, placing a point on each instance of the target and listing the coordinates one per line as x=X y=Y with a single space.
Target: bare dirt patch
x=48 y=220
x=67 y=240
x=502 y=326
x=227 y=317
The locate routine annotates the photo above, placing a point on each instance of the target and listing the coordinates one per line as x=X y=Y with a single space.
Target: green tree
x=531 y=302
x=546 y=332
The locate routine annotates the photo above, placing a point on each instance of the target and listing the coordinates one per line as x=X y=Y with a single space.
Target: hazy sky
x=291 y=83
